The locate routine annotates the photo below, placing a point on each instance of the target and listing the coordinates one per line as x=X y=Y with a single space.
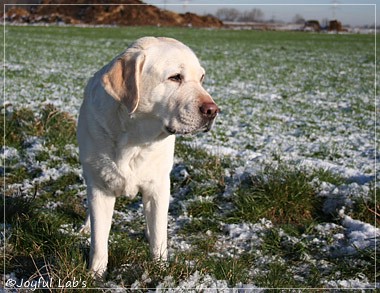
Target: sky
x=349 y=12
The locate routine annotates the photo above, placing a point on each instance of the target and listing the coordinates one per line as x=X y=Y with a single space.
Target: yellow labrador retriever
x=132 y=108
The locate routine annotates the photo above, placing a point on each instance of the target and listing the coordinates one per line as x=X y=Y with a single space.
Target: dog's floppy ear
x=122 y=80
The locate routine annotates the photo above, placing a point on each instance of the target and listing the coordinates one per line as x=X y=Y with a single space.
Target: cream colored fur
x=131 y=109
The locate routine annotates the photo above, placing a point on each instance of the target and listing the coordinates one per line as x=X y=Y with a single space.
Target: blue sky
x=359 y=12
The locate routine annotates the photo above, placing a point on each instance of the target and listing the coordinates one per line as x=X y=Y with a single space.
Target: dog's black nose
x=210 y=110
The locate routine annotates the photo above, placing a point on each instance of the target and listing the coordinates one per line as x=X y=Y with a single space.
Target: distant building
x=335 y=25
x=312 y=25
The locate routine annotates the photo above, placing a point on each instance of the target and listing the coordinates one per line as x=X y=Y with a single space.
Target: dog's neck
x=140 y=128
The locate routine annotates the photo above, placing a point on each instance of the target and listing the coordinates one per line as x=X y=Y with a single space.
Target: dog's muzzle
x=208 y=112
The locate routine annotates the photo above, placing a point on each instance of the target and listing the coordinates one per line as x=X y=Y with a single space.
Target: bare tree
x=227 y=14
x=298 y=19
x=253 y=15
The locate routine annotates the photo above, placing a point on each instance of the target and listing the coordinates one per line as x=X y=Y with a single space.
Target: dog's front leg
x=101 y=207
x=156 y=206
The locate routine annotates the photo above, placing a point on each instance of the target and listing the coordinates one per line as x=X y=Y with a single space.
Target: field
x=281 y=194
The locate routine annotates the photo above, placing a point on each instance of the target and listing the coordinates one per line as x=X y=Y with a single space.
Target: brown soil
x=135 y=13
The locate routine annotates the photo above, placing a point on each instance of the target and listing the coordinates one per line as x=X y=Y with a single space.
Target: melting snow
x=267 y=112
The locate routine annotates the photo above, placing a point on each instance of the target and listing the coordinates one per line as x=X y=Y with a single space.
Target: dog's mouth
x=184 y=131
x=170 y=130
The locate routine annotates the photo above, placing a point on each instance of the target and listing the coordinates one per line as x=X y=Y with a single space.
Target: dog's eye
x=176 y=78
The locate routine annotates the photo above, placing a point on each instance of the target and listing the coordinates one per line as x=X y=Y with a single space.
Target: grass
x=367 y=209
x=57 y=128
x=282 y=194
x=38 y=248
x=45 y=193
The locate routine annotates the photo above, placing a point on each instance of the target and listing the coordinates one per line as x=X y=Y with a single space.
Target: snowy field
x=303 y=100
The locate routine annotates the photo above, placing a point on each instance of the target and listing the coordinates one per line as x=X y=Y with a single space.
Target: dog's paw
x=86 y=227
x=99 y=275
x=84 y=230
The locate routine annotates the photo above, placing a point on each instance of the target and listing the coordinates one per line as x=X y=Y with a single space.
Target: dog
x=132 y=109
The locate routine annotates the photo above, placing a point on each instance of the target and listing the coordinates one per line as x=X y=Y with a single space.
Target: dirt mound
x=104 y=12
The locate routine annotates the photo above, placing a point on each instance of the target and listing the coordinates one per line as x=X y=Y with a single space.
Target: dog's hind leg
x=86 y=227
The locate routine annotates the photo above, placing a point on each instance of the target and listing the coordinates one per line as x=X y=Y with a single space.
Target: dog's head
x=162 y=77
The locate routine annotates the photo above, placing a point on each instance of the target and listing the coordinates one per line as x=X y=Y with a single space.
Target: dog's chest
x=132 y=162
x=143 y=165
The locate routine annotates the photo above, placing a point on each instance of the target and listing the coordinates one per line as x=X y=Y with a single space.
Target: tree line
x=232 y=14
x=253 y=15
